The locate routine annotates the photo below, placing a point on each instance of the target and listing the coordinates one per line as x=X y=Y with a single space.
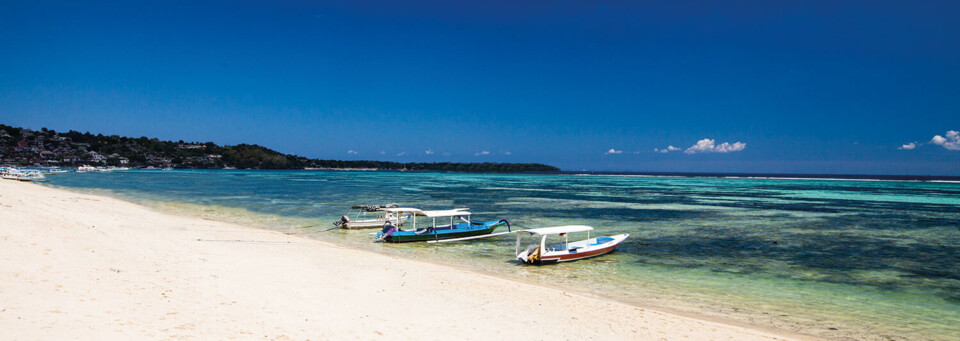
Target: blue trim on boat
x=602 y=240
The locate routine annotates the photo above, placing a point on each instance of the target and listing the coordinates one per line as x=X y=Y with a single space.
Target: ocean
x=835 y=258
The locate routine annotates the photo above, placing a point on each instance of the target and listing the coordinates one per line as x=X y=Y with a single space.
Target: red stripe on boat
x=579 y=255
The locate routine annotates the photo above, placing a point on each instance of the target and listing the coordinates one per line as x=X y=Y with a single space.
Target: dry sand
x=76 y=266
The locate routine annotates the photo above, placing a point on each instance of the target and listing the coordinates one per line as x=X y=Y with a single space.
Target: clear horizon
x=803 y=88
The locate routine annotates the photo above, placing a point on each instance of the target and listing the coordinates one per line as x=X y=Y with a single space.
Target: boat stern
x=530 y=256
x=386 y=233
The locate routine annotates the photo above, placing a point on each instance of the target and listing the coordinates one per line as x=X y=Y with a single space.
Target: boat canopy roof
x=373 y=207
x=444 y=213
x=432 y=214
x=558 y=229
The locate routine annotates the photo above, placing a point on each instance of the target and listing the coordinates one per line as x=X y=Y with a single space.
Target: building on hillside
x=95 y=157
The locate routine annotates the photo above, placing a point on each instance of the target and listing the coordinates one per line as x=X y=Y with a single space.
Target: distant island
x=25 y=147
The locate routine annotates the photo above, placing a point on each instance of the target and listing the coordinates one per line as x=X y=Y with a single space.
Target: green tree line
x=143 y=151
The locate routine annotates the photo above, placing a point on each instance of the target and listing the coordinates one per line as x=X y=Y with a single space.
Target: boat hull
x=468 y=231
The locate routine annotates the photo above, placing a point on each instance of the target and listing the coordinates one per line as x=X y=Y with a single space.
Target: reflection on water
x=863 y=259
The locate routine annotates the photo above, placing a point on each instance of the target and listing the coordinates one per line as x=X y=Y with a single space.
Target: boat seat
x=602 y=240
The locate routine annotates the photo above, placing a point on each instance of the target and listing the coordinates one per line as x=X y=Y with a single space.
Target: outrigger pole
x=468 y=238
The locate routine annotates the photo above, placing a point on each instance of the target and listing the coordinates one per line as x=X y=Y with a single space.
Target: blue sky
x=804 y=87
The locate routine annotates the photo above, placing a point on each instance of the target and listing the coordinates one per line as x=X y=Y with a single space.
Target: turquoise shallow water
x=837 y=259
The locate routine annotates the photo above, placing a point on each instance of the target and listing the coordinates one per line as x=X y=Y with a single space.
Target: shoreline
x=500 y=301
x=156 y=205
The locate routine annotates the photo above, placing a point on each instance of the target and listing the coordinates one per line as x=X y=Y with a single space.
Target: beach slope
x=77 y=266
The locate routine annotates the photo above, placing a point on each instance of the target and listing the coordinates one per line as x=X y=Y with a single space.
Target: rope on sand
x=244 y=241
x=329 y=229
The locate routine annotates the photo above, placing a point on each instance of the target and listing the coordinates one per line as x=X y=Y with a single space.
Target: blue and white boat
x=436 y=226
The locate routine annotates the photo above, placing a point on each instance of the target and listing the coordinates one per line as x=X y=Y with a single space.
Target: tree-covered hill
x=20 y=146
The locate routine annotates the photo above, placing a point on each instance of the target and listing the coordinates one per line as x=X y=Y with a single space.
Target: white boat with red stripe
x=563 y=250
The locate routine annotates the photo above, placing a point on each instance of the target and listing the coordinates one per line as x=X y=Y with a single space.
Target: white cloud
x=613 y=151
x=507 y=152
x=402 y=154
x=909 y=146
x=710 y=146
x=666 y=150
x=482 y=153
x=354 y=152
x=951 y=142
x=446 y=154
x=429 y=152
x=383 y=152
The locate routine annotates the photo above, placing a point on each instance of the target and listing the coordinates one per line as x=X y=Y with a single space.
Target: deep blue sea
x=833 y=258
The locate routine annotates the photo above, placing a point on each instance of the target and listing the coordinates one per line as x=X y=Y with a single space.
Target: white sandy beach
x=76 y=266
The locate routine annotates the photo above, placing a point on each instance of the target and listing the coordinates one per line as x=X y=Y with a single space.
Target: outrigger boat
x=22 y=174
x=459 y=226
x=565 y=251
x=86 y=168
x=380 y=217
x=10 y=173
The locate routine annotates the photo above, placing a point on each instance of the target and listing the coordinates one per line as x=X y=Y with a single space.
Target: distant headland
x=24 y=147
